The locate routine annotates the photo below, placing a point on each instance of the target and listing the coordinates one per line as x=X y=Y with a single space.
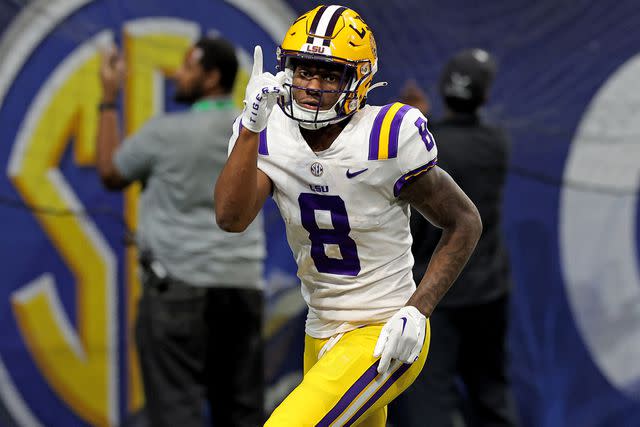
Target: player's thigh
x=344 y=387
x=376 y=419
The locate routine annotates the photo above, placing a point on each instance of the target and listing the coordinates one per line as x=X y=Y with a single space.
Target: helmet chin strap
x=309 y=117
x=312 y=125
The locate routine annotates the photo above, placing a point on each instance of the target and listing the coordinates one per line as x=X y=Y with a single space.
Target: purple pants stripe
x=411 y=175
x=394 y=134
x=392 y=379
x=374 y=138
x=353 y=392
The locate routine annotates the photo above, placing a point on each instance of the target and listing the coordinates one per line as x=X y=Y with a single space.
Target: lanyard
x=212 y=104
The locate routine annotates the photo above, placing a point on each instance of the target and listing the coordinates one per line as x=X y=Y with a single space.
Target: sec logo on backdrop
x=68 y=293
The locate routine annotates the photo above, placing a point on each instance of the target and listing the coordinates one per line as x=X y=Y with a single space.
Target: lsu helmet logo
x=322 y=50
x=68 y=294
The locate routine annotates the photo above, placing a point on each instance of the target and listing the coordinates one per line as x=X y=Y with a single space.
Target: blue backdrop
x=561 y=87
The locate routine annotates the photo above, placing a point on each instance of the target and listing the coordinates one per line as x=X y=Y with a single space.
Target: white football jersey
x=347 y=228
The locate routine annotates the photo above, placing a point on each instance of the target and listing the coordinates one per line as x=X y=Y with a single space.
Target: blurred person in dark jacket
x=468 y=362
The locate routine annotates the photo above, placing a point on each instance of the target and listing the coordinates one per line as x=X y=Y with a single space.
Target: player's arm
x=242 y=188
x=436 y=196
x=433 y=193
x=439 y=199
x=108 y=138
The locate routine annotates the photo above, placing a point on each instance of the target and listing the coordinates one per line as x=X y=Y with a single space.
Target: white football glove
x=262 y=93
x=401 y=338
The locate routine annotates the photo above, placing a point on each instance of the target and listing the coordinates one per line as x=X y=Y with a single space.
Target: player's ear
x=211 y=79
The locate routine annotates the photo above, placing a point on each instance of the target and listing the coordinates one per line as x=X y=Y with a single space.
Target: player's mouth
x=311 y=104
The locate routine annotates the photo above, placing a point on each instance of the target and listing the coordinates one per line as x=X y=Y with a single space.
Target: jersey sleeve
x=263 y=147
x=135 y=158
x=417 y=150
x=234 y=134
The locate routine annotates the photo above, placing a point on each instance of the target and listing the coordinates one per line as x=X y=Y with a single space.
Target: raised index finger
x=257 y=61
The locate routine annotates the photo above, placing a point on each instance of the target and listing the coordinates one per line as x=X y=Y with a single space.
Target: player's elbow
x=474 y=223
x=231 y=226
x=230 y=222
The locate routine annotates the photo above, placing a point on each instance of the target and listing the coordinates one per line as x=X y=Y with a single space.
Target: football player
x=344 y=175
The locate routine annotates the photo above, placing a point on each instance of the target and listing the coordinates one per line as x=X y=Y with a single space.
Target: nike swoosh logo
x=404 y=323
x=356 y=173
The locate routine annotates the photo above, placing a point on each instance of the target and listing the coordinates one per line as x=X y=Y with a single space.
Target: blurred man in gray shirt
x=199 y=321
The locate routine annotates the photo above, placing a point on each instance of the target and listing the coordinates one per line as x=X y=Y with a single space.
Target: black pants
x=467 y=344
x=198 y=345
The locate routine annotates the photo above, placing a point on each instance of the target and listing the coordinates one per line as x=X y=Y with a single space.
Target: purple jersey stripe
x=263 y=148
x=411 y=175
x=392 y=379
x=353 y=392
x=374 y=138
x=394 y=134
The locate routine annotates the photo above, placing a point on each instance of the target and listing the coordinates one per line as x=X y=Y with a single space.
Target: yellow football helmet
x=338 y=35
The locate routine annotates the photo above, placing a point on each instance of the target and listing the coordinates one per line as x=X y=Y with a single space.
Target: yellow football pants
x=344 y=388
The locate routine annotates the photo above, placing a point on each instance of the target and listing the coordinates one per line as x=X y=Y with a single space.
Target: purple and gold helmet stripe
x=323 y=24
x=411 y=175
x=332 y=24
x=385 y=133
x=263 y=148
x=364 y=392
x=314 y=24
